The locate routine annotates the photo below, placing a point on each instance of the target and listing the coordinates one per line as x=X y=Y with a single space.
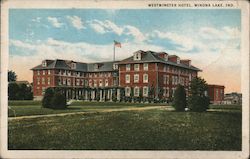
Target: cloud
x=135 y=32
x=55 y=22
x=76 y=22
x=37 y=19
x=105 y=27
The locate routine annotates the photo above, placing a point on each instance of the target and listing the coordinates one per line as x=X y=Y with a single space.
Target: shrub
x=198 y=103
x=54 y=99
x=58 y=101
x=47 y=98
x=179 y=102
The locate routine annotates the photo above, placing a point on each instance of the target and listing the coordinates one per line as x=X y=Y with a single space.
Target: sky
x=209 y=37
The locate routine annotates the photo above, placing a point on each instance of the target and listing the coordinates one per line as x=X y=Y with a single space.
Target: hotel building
x=146 y=74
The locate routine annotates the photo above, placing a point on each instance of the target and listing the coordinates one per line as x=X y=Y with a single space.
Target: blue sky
x=88 y=34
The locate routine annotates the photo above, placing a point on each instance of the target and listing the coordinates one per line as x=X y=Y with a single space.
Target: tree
x=198 y=101
x=47 y=98
x=180 y=102
x=13 y=90
x=12 y=76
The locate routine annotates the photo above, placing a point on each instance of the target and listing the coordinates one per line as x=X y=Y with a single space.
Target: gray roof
x=85 y=67
x=150 y=56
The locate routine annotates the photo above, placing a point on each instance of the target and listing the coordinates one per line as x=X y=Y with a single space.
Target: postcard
x=124 y=79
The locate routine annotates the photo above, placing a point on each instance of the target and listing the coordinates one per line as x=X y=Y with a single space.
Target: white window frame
x=145 y=91
x=48 y=80
x=106 y=82
x=127 y=67
x=164 y=79
x=136 y=91
x=43 y=80
x=145 y=66
x=90 y=83
x=100 y=83
x=127 y=91
x=145 y=80
x=68 y=81
x=95 y=83
x=64 y=81
x=136 y=78
x=38 y=72
x=127 y=78
x=48 y=72
x=136 y=67
x=43 y=72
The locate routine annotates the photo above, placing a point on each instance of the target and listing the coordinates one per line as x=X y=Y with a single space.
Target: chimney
x=186 y=62
x=163 y=55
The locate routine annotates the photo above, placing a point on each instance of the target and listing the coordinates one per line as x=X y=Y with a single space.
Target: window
x=106 y=82
x=164 y=79
x=48 y=72
x=38 y=80
x=217 y=93
x=95 y=83
x=173 y=80
x=137 y=56
x=43 y=90
x=90 y=83
x=165 y=68
x=136 y=78
x=59 y=81
x=145 y=91
x=95 y=74
x=43 y=81
x=90 y=75
x=38 y=72
x=145 y=78
x=77 y=82
x=164 y=91
x=127 y=67
x=43 y=72
x=48 y=81
x=115 y=66
x=167 y=79
x=64 y=81
x=127 y=91
x=68 y=82
x=127 y=78
x=136 y=67
x=78 y=74
x=136 y=91
x=69 y=73
x=73 y=65
x=100 y=83
x=145 y=66
x=178 y=60
x=167 y=92
x=44 y=63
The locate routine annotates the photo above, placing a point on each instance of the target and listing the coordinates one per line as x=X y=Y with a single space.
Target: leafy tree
x=198 y=101
x=13 y=90
x=12 y=76
x=179 y=102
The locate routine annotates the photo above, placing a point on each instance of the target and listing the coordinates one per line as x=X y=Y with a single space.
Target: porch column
x=118 y=94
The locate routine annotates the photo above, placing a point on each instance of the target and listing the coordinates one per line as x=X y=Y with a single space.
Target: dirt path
x=169 y=108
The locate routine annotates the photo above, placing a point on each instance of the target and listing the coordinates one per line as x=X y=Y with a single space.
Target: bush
x=47 y=98
x=54 y=99
x=180 y=102
x=198 y=103
x=58 y=101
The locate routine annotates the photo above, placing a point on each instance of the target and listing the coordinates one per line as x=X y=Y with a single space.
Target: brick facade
x=216 y=93
x=144 y=72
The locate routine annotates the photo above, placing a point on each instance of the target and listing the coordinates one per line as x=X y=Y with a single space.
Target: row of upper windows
x=136 y=78
x=73 y=73
x=166 y=68
x=136 y=91
x=43 y=81
x=137 y=67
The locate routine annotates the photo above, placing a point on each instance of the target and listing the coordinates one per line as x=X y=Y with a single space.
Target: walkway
x=169 y=108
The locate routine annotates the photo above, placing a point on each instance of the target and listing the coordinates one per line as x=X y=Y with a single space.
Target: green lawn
x=26 y=108
x=129 y=130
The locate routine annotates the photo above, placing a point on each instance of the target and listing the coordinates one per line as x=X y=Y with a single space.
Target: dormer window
x=137 y=56
x=73 y=65
x=115 y=66
x=165 y=57
x=44 y=63
x=178 y=60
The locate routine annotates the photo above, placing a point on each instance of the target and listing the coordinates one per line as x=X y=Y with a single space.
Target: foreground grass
x=133 y=130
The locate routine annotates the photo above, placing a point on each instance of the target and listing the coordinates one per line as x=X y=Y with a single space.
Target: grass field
x=26 y=108
x=156 y=129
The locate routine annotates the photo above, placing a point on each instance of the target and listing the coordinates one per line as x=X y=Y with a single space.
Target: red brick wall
x=216 y=93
